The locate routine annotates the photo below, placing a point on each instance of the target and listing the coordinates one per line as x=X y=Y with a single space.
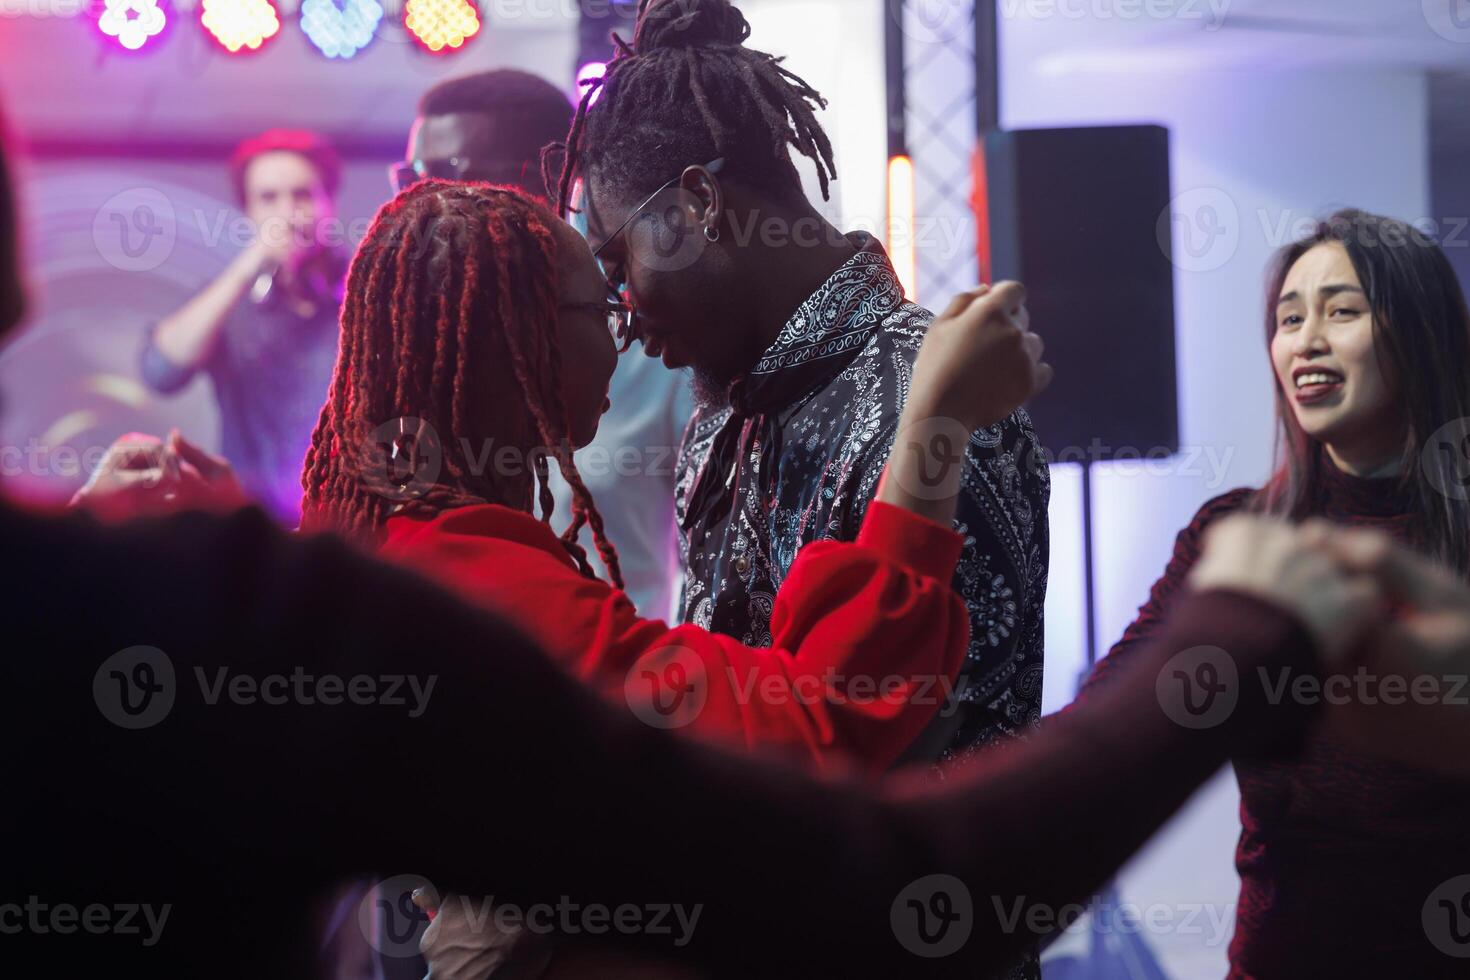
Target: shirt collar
x=826 y=331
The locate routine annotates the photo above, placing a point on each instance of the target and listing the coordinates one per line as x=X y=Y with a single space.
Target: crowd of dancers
x=855 y=507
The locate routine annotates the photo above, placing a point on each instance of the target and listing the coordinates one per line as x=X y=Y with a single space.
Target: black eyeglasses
x=619 y=318
x=618 y=294
x=714 y=167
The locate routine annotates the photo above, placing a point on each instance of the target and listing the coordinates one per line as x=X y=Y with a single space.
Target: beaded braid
x=449 y=277
x=746 y=106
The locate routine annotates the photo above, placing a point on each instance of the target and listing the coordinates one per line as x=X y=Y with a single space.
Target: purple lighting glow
x=591 y=70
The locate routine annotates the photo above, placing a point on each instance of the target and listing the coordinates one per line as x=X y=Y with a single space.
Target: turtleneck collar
x=1342 y=494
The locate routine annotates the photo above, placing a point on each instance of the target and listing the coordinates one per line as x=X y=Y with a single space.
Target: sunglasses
x=405 y=173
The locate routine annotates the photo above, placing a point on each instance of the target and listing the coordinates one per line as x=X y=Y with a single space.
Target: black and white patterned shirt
x=796 y=458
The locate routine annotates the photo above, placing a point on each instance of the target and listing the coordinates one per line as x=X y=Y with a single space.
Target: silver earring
x=711 y=233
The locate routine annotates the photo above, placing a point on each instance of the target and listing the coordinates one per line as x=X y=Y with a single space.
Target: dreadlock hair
x=449 y=327
x=687 y=89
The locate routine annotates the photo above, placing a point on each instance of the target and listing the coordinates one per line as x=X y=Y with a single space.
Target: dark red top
x=1338 y=851
x=866 y=637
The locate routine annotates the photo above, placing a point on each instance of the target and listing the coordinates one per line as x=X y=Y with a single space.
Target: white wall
x=1264 y=149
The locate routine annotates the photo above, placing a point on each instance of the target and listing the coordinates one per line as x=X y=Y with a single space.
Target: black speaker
x=1075 y=214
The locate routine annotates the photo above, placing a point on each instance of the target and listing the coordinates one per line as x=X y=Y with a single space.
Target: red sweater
x=866 y=637
x=1338 y=851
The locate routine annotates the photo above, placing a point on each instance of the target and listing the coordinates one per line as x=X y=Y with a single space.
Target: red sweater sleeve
x=866 y=636
x=1154 y=612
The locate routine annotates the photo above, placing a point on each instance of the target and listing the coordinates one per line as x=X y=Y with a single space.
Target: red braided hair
x=449 y=341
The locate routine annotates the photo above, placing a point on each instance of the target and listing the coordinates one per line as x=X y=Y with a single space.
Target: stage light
x=340 y=31
x=594 y=69
x=238 y=24
x=132 y=22
x=901 y=224
x=441 y=26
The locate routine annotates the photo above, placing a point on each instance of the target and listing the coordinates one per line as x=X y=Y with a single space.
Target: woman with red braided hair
x=476 y=347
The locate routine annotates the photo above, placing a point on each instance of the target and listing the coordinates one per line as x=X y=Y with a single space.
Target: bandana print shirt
x=796 y=457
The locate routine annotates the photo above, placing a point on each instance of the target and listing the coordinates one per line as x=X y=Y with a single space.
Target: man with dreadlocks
x=801 y=343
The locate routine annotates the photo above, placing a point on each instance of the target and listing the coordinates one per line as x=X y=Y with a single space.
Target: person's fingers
x=962 y=301
x=1023 y=319
x=1033 y=345
x=1009 y=296
x=1418 y=580
x=1041 y=378
x=208 y=464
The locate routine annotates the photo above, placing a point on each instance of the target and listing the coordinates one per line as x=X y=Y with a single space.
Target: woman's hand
x=979 y=363
x=144 y=476
x=1292 y=567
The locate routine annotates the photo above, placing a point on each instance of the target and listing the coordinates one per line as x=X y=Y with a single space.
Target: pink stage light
x=132 y=23
x=441 y=26
x=240 y=24
x=593 y=69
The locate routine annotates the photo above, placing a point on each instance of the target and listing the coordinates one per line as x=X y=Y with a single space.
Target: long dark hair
x=1421 y=335
x=453 y=283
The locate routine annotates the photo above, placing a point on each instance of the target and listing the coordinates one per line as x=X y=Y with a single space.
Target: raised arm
x=182 y=341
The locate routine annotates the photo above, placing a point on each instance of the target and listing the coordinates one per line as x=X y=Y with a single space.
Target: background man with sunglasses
x=265 y=330
x=492 y=126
